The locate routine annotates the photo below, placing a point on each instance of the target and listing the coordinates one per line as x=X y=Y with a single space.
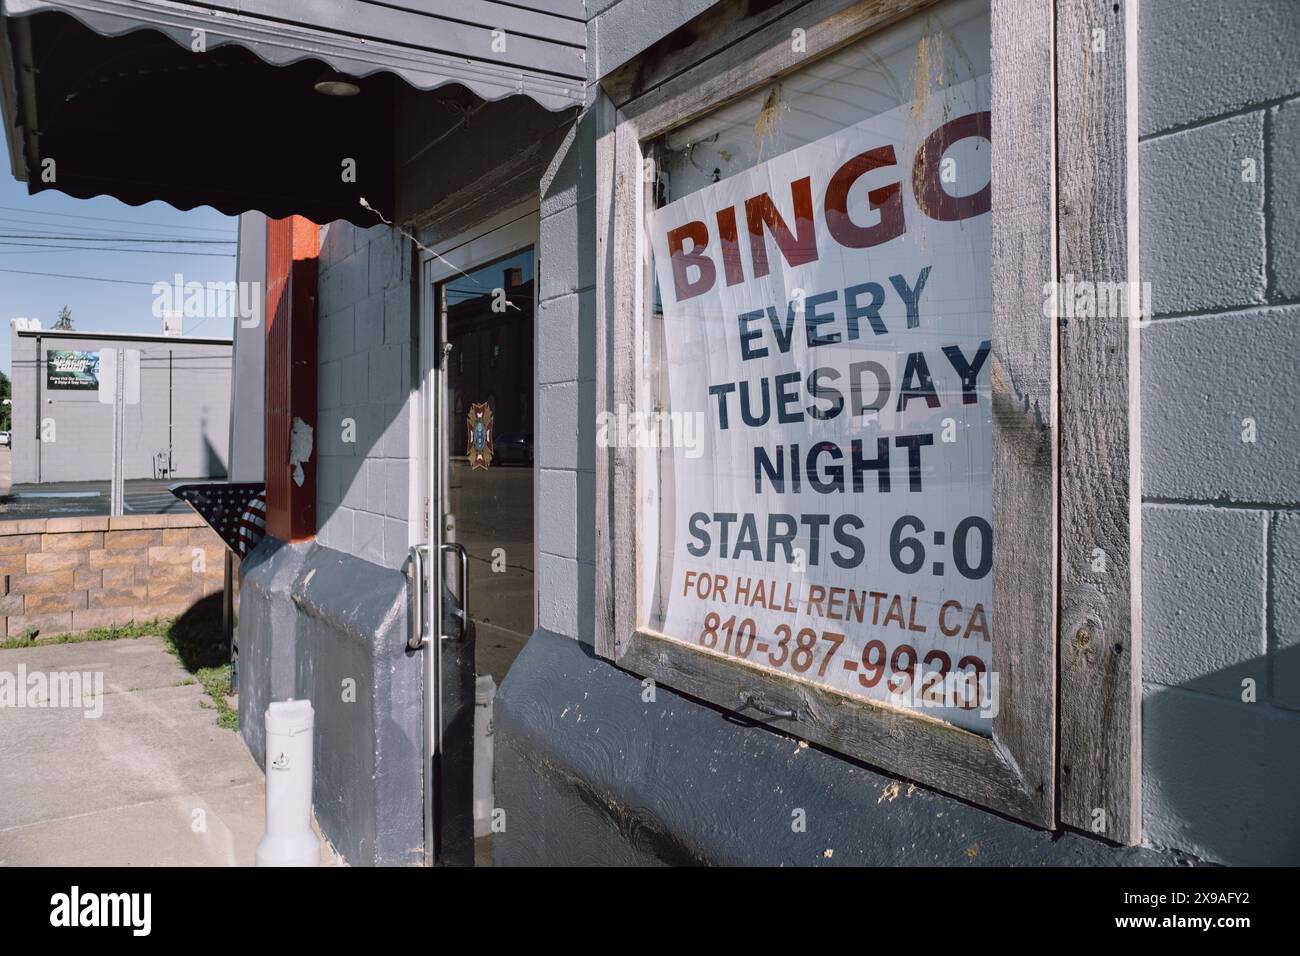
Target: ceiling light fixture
x=336 y=84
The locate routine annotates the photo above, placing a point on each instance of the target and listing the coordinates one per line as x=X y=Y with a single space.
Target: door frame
x=514 y=228
x=490 y=239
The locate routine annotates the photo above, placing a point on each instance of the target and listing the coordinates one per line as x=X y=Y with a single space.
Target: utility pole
x=119 y=386
x=118 y=493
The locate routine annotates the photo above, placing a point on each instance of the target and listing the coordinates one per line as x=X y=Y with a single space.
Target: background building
x=180 y=428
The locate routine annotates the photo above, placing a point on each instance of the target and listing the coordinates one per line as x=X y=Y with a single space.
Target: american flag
x=252 y=524
x=234 y=510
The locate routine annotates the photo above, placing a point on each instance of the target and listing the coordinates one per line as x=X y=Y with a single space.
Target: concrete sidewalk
x=152 y=781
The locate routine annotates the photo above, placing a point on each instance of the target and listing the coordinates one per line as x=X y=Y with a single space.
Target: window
x=817 y=494
x=827 y=440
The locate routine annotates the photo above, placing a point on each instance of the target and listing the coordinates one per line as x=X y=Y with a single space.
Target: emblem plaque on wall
x=479 y=420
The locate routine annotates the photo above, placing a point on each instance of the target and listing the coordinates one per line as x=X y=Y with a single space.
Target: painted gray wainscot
x=590 y=774
x=319 y=624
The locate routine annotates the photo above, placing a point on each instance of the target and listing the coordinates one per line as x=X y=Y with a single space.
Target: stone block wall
x=63 y=575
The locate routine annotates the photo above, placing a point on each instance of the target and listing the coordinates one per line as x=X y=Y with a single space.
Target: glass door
x=488 y=453
x=473 y=541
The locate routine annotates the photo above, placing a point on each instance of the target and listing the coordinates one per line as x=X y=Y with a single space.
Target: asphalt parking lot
x=73 y=499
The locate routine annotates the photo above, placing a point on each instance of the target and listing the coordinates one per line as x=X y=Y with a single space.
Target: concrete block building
x=180 y=428
x=849 y=433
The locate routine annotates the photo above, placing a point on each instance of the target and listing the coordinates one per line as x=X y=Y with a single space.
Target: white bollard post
x=485 y=692
x=289 y=839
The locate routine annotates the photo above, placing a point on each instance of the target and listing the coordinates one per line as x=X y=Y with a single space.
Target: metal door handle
x=418 y=637
x=464 y=582
x=419 y=561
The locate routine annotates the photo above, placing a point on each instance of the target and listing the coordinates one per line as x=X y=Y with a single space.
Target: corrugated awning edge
x=280 y=44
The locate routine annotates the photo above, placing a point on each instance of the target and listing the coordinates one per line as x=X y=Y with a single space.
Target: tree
x=64 y=321
x=5 y=408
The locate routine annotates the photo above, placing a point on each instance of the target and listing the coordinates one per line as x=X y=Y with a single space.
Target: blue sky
x=124 y=304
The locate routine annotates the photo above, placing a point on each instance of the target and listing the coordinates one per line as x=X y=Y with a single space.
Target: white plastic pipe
x=289 y=839
x=485 y=692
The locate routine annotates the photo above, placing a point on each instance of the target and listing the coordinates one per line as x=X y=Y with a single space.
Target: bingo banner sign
x=826 y=319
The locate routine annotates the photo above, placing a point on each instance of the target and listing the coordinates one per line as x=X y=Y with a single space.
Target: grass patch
x=115 y=633
x=216 y=681
x=195 y=638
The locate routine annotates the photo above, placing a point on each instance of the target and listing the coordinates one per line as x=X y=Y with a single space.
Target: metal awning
x=215 y=103
x=539 y=51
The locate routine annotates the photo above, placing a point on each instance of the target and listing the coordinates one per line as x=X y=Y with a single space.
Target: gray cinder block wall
x=364 y=351
x=566 y=386
x=1222 y=536
x=338 y=607
x=587 y=771
x=1220 y=244
x=335 y=610
x=328 y=620
x=566 y=314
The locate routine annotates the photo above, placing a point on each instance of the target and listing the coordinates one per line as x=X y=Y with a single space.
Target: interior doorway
x=488 y=320
x=476 y=496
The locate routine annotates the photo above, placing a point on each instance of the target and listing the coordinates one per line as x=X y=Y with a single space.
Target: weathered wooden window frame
x=1016 y=770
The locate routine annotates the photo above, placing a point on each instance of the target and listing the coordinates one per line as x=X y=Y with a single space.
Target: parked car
x=4 y=438
x=513 y=446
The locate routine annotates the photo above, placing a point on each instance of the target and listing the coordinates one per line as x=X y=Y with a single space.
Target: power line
x=64 y=275
x=143 y=252
x=198 y=242
x=57 y=252
x=67 y=215
x=58 y=228
x=61 y=227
